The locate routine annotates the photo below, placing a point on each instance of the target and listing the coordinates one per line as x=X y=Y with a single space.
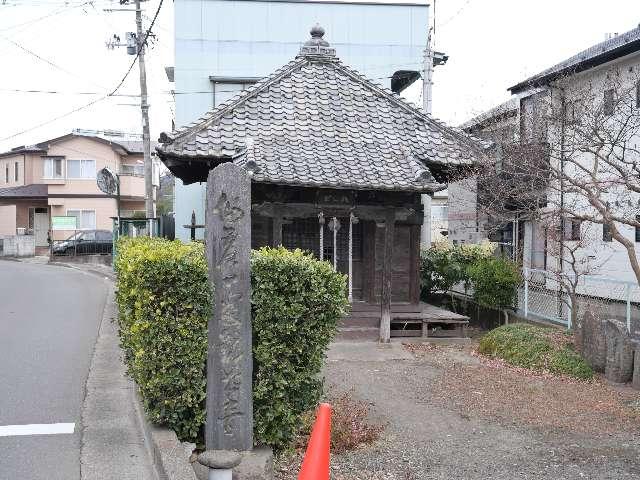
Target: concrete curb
x=170 y=456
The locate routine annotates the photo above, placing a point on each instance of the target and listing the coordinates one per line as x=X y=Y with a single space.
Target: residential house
x=222 y=47
x=540 y=115
x=57 y=177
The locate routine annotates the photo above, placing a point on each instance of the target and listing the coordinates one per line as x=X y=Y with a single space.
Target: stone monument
x=619 y=363
x=229 y=425
x=591 y=340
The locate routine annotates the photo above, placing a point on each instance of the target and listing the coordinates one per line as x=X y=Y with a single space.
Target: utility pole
x=427 y=84
x=430 y=60
x=144 y=106
x=136 y=44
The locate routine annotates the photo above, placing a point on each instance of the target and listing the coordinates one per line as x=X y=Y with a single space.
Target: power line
x=51 y=14
x=96 y=100
x=452 y=17
x=47 y=61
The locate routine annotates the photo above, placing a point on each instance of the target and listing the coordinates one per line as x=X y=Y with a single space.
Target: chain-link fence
x=543 y=296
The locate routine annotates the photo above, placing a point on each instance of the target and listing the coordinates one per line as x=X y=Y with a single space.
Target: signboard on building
x=64 y=223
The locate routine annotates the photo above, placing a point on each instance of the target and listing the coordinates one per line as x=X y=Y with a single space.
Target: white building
x=599 y=84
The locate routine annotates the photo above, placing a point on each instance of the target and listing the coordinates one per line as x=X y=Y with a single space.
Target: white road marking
x=37 y=429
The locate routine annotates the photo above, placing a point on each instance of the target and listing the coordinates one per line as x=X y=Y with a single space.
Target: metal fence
x=542 y=296
x=81 y=246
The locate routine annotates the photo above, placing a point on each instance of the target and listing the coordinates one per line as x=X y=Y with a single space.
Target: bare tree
x=574 y=163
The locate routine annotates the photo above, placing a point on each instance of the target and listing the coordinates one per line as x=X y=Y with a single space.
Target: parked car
x=86 y=242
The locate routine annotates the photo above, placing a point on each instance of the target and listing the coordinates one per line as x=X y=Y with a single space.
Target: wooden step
x=360 y=321
x=358 y=333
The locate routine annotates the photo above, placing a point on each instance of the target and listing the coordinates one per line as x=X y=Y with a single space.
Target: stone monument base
x=256 y=464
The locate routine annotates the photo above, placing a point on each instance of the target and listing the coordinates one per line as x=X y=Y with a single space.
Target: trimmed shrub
x=444 y=265
x=296 y=304
x=536 y=348
x=164 y=300
x=495 y=282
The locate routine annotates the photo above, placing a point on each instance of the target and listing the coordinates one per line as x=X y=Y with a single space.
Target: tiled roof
x=34 y=190
x=602 y=52
x=316 y=122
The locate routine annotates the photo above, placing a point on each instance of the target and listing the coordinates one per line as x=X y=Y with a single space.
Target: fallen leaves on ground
x=492 y=389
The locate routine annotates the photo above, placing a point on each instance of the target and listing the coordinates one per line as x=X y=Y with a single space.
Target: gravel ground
x=449 y=414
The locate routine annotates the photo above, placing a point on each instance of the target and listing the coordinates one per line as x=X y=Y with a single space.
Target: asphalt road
x=49 y=319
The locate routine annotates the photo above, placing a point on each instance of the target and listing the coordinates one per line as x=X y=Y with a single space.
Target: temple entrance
x=304 y=233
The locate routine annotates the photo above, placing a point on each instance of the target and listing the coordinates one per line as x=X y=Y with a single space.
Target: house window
x=52 y=167
x=85 y=219
x=439 y=213
x=226 y=87
x=608 y=102
x=638 y=94
x=606 y=233
x=571 y=228
x=6 y=173
x=575 y=229
x=136 y=169
x=637 y=229
x=570 y=112
x=81 y=169
x=16 y=171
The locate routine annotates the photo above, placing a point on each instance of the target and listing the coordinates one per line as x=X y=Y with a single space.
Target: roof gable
x=317 y=122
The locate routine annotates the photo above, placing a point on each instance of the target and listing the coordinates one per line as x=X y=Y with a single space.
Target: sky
x=55 y=68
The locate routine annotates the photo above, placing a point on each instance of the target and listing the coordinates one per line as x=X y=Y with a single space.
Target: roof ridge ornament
x=317 y=45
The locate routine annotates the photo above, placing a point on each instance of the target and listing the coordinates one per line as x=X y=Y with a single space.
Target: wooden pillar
x=414 y=266
x=385 y=297
x=277 y=231
x=369 y=261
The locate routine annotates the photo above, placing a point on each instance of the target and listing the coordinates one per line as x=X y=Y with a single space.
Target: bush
x=495 y=282
x=536 y=348
x=296 y=304
x=438 y=271
x=164 y=300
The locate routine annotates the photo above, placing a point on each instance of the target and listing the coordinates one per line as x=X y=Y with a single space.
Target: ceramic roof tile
x=318 y=122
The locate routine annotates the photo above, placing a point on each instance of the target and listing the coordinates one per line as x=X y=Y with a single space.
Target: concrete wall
x=18 y=246
x=244 y=38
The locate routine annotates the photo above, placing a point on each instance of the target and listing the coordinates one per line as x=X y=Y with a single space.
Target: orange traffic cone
x=315 y=465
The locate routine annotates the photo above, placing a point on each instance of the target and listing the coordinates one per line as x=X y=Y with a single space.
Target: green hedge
x=164 y=302
x=296 y=304
x=537 y=348
x=495 y=282
x=445 y=264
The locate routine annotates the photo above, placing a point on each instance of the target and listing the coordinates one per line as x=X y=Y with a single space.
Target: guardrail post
x=628 y=297
x=526 y=292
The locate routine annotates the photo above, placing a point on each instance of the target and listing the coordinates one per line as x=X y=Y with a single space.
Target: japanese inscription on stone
x=229 y=360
